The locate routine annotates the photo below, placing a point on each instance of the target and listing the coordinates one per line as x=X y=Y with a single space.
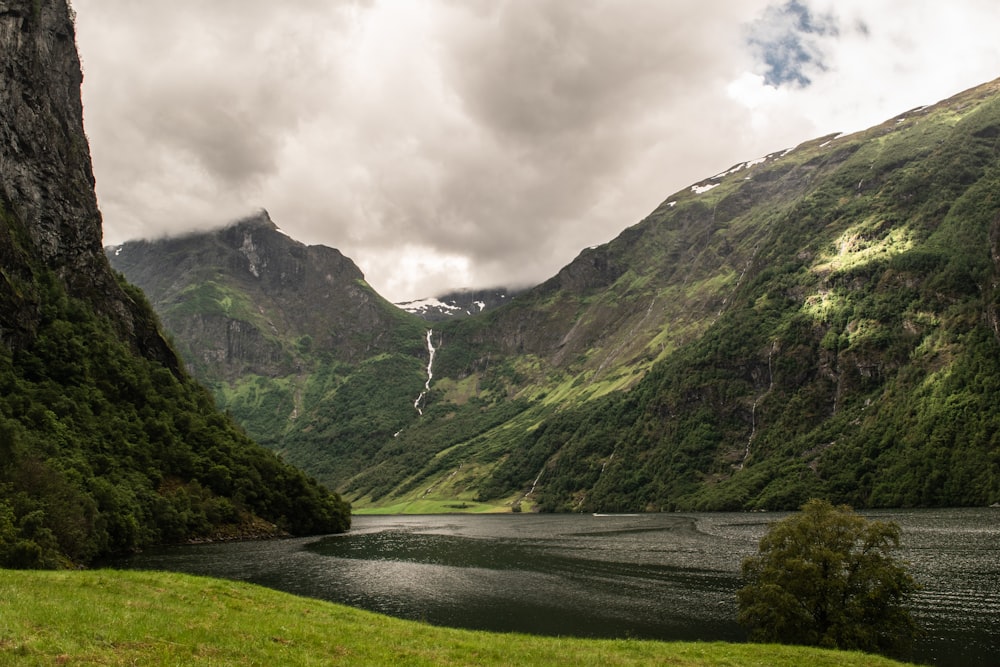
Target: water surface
x=658 y=576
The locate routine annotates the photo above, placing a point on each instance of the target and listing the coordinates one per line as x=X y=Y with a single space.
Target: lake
x=657 y=576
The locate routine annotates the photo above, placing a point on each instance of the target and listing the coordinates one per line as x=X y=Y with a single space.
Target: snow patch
x=421 y=305
x=741 y=166
x=830 y=140
x=700 y=189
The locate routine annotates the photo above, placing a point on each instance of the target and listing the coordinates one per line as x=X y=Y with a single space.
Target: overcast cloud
x=473 y=143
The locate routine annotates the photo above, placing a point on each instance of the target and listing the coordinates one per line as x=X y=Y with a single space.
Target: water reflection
x=659 y=576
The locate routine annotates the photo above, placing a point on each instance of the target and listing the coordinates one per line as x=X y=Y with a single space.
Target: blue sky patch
x=786 y=42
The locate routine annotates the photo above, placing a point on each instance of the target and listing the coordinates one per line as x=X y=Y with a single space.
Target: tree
x=827 y=577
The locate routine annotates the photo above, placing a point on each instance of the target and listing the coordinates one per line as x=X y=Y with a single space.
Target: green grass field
x=105 y=617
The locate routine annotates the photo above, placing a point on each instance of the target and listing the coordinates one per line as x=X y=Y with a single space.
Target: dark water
x=658 y=576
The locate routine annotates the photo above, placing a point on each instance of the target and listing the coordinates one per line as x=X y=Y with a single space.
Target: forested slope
x=857 y=359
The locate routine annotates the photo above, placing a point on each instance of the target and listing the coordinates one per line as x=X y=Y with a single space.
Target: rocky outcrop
x=248 y=299
x=46 y=180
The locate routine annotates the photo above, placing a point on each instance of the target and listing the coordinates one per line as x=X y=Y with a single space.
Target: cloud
x=451 y=143
x=787 y=41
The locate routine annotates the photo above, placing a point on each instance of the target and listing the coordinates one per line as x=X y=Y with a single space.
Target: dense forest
x=103 y=451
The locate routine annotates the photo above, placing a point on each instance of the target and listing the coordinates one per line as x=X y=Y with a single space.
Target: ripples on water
x=661 y=576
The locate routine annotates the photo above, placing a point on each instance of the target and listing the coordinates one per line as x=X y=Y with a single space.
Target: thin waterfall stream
x=430 y=371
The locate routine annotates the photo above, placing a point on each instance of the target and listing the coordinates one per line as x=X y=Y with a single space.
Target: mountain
x=247 y=298
x=460 y=303
x=106 y=444
x=297 y=347
x=821 y=321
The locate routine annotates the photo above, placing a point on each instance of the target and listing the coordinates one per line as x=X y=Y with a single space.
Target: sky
x=446 y=144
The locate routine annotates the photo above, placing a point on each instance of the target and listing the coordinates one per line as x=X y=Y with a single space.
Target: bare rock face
x=47 y=197
x=248 y=299
x=47 y=182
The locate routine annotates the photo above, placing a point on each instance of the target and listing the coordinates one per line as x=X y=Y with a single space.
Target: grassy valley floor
x=105 y=617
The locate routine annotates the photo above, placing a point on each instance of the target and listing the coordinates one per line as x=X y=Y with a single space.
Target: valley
x=817 y=322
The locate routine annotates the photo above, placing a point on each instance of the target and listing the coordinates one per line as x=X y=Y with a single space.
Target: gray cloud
x=449 y=143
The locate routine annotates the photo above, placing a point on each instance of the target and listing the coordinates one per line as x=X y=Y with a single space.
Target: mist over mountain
x=817 y=322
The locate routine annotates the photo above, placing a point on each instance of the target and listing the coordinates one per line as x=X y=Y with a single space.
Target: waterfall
x=535 y=483
x=430 y=371
x=753 y=410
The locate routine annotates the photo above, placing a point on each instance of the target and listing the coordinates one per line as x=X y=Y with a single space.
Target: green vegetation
x=854 y=359
x=126 y=618
x=821 y=324
x=104 y=451
x=827 y=577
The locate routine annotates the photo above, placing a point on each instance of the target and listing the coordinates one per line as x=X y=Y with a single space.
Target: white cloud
x=444 y=144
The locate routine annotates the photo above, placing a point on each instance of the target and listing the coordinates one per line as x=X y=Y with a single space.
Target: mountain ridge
x=728 y=351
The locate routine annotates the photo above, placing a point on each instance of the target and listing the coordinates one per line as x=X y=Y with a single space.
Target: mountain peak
x=259 y=220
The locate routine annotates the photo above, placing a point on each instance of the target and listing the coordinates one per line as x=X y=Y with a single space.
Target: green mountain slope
x=297 y=346
x=849 y=351
x=819 y=322
x=106 y=444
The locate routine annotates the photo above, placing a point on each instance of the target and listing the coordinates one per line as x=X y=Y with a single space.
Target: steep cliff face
x=106 y=444
x=46 y=179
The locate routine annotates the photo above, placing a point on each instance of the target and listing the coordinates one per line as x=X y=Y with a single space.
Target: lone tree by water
x=827 y=577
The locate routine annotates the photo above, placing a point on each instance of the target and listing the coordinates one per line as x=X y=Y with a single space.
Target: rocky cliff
x=47 y=185
x=247 y=299
x=106 y=444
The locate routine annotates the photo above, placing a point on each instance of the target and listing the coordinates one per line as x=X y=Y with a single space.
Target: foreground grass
x=150 y=618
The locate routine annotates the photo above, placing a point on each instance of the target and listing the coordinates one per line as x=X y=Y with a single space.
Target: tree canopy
x=827 y=577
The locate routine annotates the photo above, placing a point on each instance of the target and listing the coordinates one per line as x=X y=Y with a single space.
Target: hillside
x=106 y=444
x=821 y=321
x=296 y=345
x=104 y=617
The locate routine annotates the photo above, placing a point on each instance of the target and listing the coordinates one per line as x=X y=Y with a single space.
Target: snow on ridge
x=700 y=189
x=430 y=303
x=741 y=166
x=831 y=139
